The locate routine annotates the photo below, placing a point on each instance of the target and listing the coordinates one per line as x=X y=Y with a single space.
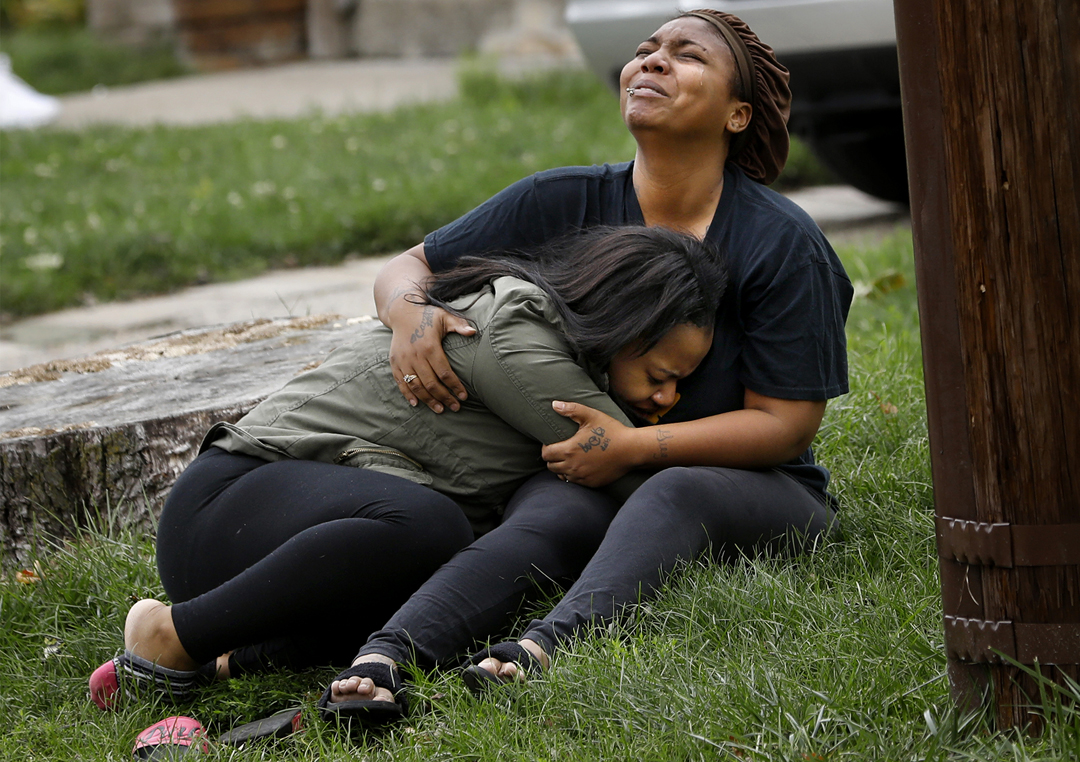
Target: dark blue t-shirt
x=780 y=329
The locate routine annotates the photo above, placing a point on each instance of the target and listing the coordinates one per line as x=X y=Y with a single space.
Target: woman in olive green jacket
x=336 y=487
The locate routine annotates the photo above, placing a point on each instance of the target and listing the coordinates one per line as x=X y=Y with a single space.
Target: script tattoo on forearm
x=661 y=442
x=426 y=321
x=598 y=439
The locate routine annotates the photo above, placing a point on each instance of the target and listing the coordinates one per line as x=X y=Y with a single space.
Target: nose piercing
x=630 y=91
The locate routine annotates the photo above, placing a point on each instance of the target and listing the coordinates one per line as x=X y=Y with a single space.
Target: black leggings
x=555 y=532
x=294 y=563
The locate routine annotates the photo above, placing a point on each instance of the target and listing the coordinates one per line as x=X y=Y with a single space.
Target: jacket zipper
x=377 y=450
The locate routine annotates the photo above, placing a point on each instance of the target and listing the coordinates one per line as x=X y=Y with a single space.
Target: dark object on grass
x=172 y=738
x=480 y=681
x=278 y=725
x=368 y=711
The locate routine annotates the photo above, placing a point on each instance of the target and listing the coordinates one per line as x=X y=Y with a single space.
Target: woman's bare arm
x=416 y=347
x=767 y=432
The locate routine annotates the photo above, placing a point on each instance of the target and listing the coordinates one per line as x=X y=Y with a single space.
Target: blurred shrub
x=802 y=170
x=481 y=85
x=29 y=14
x=66 y=60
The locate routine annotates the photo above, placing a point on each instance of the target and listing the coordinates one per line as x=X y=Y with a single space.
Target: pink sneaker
x=141 y=678
x=104 y=685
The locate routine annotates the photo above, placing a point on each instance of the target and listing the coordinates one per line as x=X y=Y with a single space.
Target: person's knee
x=439 y=526
x=681 y=494
x=572 y=519
x=422 y=534
x=672 y=512
x=422 y=523
x=705 y=509
x=817 y=530
x=737 y=512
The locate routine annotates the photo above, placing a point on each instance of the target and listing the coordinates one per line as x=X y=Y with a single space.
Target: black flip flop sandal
x=278 y=725
x=480 y=681
x=368 y=711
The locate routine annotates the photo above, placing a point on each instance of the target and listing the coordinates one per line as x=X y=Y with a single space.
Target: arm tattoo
x=661 y=440
x=596 y=440
x=399 y=292
x=426 y=321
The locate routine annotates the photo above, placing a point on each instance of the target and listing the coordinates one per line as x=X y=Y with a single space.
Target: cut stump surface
x=102 y=438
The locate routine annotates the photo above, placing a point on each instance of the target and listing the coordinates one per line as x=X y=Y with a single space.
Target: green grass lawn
x=837 y=655
x=111 y=213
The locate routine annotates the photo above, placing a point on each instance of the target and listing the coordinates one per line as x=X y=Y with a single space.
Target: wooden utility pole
x=991 y=93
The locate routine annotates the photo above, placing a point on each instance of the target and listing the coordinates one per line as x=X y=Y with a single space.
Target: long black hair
x=612 y=287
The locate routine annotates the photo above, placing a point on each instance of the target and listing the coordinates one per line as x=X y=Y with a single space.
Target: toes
x=382 y=694
x=507 y=671
x=352 y=688
x=511 y=673
x=356 y=688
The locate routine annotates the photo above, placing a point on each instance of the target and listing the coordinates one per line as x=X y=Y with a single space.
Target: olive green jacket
x=349 y=410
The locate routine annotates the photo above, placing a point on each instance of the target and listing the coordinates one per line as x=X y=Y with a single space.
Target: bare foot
x=149 y=633
x=361 y=689
x=511 y=671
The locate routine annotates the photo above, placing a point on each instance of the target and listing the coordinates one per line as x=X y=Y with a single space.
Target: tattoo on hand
x=661 y=440
x=426 y=321
x=596 y=440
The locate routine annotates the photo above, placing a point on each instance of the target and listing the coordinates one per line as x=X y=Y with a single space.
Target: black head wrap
x=761 y=150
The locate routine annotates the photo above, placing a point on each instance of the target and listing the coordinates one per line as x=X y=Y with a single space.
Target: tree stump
x=102 y=438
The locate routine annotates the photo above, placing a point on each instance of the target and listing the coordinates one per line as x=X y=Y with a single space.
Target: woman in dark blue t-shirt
x=707 y=103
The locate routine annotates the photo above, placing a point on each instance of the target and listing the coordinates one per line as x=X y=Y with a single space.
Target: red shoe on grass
x=172 y=738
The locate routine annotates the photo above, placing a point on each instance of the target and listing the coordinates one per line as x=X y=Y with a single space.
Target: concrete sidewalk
x=277 y=92
x=286 y=92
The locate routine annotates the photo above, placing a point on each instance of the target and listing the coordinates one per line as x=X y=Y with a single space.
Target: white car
x=845 y=78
